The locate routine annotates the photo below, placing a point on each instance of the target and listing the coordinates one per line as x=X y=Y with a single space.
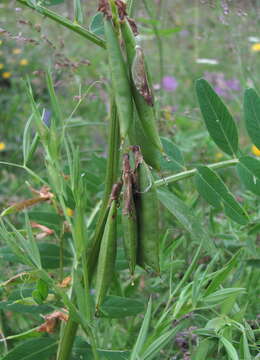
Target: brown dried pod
x=140 y=77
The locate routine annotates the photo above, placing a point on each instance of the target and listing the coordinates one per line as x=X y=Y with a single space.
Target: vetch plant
x=79 y=283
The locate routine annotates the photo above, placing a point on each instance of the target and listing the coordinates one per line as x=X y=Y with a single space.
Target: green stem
x=158 y=40
x=189 y=173
x=33 y=174
x=24 y=167
x=68 y=334
x=131 y=7
x=66 y=22
x=196 y=30
x=87 y=289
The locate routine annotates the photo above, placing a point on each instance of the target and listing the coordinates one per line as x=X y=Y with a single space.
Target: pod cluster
x=130 y=82
x=136 y=116
x=137 y=197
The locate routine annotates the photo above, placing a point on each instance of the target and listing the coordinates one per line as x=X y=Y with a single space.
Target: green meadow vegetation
x=130 y=180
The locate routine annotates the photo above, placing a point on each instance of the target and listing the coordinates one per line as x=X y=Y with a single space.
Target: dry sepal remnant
x=44 y=194
x=51 y=321
x=104 y=7
x=139 y=76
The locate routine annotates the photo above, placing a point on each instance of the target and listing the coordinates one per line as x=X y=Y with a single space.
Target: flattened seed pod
x=120 y=78
x=147 y=215
x=150 y=153
x=129 y=220
x=139 y=76
x=143 y=99
x=94 y=246
x=107 y=256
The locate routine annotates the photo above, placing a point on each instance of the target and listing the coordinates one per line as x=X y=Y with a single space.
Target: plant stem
x=24 y=167
x=66 y=22
x=68 y=334
x=189 y=173
x=196 y=30
x=131 y=7
x=158 y=40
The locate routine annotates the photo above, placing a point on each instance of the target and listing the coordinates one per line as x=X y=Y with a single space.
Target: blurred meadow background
x=184 y=40
x=217 y=40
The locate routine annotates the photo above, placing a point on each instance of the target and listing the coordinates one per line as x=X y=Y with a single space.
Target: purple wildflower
x=220 y=91
x=223 y=87
x=233 y=84
x=169 y=83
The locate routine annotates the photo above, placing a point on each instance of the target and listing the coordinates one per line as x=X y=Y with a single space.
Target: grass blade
x=231 y=351
x=78 y=12
x=142 y=334
x=54 y=101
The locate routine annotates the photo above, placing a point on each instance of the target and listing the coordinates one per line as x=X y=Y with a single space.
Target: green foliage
x=83 y=351
x=248 y=171
x=186 y=218
x=42 y=348
x=97 y=25
x=212 y=188
x=142 y=333
x=51 y=2
x=116 y=307
x=204 y=303
x=251 y=113
x=219 y=121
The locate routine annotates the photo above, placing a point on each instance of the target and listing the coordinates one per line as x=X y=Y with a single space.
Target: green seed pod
x=142 y=99
x=107 y=256
x=147 y=215
x=129 y=40
x=93 y=248
x=120 y=78
x=129 y=220
x=150 y=153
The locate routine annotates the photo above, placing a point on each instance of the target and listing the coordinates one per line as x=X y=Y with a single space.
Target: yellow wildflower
x=1 y=66
x=6 y=75
x=255 y=150
x=23 y=62
x=218 y=155
x=17 y=51
x=69 y=212
x=255 y=47
x=2 y=146
x=168 y=113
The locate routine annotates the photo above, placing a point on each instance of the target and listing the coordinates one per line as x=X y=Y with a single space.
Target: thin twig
x=66 y=22
x=189 y=173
